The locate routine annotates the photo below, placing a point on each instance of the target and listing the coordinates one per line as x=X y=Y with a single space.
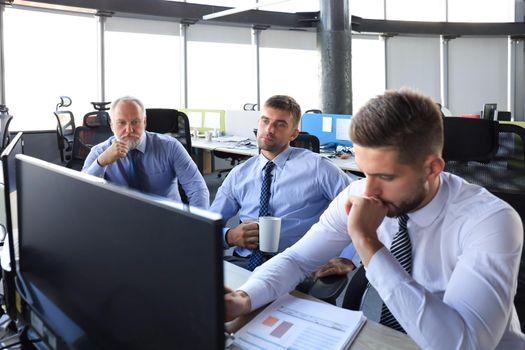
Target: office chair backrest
x=488 y=111
x=85 y=138
x=172 y=121
x=511 y=144
x=316 y=111
x=306 y=140
x=5 y=133
x=65 y=131
x=467 y=139
x=250 y=106
x=96 y=118
x=504 y=116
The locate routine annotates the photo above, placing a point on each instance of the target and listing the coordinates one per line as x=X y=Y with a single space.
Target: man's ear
x=294 y=134
x=434 y=165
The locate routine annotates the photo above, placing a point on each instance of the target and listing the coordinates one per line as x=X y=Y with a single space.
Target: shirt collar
x=430 y=212
x=142 y=143
x=279 y=161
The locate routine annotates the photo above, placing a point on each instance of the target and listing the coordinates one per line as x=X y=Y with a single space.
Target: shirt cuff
x=95 y=169
x=225 y=244
x=385 y=273
x=256 y=291
x=350 y=253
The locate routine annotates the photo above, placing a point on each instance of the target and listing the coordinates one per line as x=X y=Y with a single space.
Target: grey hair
x=128 y=99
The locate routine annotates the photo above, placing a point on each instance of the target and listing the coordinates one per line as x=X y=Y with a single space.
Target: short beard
x=132 y=144
x=272 y=147
x=409 y=204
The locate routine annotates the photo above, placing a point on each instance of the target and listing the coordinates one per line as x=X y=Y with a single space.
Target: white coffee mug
x=269 y=233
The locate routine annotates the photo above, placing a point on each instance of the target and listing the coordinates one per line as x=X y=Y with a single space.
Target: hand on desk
x=236 y=303
x=244 y=235
x=336 y=266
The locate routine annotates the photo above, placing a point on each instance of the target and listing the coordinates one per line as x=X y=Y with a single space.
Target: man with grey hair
x=146 y=161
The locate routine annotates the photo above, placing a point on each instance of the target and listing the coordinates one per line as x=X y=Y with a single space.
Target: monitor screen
x=488 y=111
x=8 y=167
x=106 y=267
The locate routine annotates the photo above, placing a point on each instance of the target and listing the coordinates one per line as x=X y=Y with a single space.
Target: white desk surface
x=233 y=147
x=371 y=337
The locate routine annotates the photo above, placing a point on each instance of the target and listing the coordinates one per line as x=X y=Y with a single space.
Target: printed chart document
x=295 y=323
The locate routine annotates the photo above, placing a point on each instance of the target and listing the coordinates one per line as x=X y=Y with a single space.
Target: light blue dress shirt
x=165 y=162
x=303 y=184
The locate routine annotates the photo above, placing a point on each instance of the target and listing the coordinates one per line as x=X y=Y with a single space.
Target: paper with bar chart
x=295 y=323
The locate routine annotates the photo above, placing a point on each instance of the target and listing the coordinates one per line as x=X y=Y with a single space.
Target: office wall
x=477 y=73
x=414 y=62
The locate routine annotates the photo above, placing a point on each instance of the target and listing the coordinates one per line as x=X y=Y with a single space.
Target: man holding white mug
x=293 y=184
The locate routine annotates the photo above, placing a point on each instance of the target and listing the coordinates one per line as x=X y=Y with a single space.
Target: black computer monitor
x=9 y=174
x=105 y=267
x=488 y=111
x=9 y=254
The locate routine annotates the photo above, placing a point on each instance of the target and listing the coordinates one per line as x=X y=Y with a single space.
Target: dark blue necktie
x=401 y=249
x=257 y=256
x=133 y=174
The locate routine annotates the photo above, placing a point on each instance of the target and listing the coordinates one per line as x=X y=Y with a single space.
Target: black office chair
x=175 y=123
x=98 y=117
x=494 y=159
x=85 y=138
x=250 y=106
x=485 y=152
x=316 y=111
x=172 y=121
x=65 y=128
x=504 y=116
x=306 y=140
x=5 y=121
x=468 y=139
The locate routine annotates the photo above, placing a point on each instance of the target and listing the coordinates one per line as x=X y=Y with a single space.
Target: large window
x=48 y=55
x=221 y=67
x=477 y=74
x=416 y=10
x=414 y=62
x=368 y=69
x=290 y=65
x=142 y=60
x=373 y=9
x=481 y=10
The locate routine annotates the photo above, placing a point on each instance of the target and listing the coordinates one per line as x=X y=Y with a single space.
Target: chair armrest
x=329 y=288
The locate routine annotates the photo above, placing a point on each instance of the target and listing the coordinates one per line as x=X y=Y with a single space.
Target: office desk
x=371 y=337
x=232 y=147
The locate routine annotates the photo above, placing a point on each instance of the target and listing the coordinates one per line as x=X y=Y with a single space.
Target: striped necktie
x=257 y=256
x=401 y=249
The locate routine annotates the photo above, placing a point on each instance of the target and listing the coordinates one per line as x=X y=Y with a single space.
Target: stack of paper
x=295 y=323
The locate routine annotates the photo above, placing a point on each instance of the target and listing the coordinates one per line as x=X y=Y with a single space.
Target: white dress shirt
x=466 y=249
